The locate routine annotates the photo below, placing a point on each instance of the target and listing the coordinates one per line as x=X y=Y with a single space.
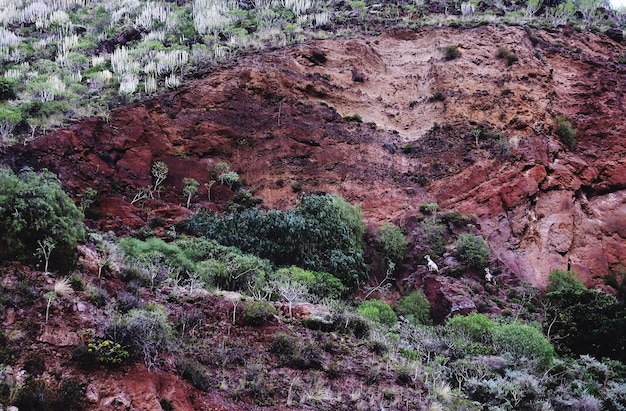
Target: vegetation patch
x=566 y=131
x=507 y=55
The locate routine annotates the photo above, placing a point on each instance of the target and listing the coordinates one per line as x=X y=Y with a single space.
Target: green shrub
x=524 y=341
x=566 y=131
x=258 y=312
x=34 y=395
x=9 y=119
x=472 y=250
x=33 y=206
x=307 y=356
x=561 y=280
x=392 y=243
x=71 y=395
x=415 y=308
x=434 y=236
x=378 y=311
x=451 y=52
x=377 y=347
x=156 y=251
x=166 y=405
x=283 y=344
x=456 y=219
x=353 y=117
x=225 y=267
x=477 y=327
x=7 y=88
x=507 y=55
x=353 y=324
x=193 y=372
x=299 y=354
x=148 y=330
x=98 y=296
x=320 y=284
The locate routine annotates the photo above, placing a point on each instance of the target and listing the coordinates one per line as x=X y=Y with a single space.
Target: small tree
x=222 y=167
x=383 y=286
x=292 y=290
x=159 y=171
x=148 y=329
x=191 y=187
x=87 y=199
x=61 y=288
x=44 y=250
x=229 y=178
x=430 y=208
x=208 y=188
x=49 y=296
x=8 y=120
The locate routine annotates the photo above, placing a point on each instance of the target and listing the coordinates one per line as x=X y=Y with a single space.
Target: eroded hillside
x=389 y=122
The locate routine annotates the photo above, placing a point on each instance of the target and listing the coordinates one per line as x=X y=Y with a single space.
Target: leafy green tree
x=582 y=321
x=378 y=311
x=415 y=307
x=230 y=178
x=473 y=250
x=33 y=207
x=392 y=243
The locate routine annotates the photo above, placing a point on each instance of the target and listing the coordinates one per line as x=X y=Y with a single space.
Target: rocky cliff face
x=472 y=133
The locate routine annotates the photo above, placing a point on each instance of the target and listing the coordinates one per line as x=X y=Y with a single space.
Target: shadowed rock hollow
x=291 y=117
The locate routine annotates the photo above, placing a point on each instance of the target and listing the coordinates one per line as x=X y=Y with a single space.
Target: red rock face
x=278 y=120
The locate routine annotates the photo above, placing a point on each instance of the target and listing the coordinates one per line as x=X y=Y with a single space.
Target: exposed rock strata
x=277 y=118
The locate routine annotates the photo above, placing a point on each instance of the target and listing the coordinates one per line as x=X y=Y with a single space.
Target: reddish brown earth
x=277 y=119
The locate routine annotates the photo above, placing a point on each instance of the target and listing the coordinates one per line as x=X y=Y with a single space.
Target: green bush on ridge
x=378 y=311
x=473 y=250
x=415 y=307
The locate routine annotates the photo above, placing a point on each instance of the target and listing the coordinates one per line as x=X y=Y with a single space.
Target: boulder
x=448 y=297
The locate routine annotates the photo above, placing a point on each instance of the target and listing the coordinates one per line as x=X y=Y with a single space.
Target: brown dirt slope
x=280 y=118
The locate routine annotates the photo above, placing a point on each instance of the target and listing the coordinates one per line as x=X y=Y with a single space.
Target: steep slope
x=281 y=119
